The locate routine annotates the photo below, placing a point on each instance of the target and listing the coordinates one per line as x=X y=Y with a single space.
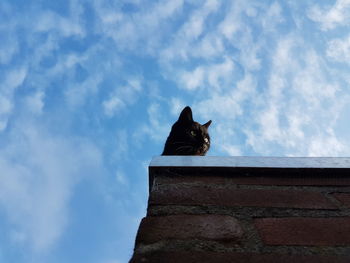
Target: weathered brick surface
x=304 y=231
x=344 y=198
x=210 y=227
x=209 y=257
x=285 y=215
x=208 y=195
x=255 y=180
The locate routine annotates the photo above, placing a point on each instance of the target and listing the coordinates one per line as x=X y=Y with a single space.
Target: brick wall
x=205 y=209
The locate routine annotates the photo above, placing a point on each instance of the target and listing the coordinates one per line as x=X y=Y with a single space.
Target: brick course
x=304 y=231
x=255 y=180
x=210 y=195
x=344 y=198
x=212 y=227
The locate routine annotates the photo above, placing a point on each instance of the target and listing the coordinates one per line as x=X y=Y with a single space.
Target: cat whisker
x=183 y=147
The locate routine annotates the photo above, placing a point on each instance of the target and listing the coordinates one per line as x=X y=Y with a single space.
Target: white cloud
x=193 y=39
x=113 y=105
x=282 y=58
x=176 y=106
x=35 y=102
x=227 y=104
x=5 y=105
x=121 y=178
x=8 y=48
x=52 y=22
x=132 y=32
x=163 y=10
x=216 y=76
x=272 y=17
x=12 y=80
x=223 y=106
x=211 y=45
x=224 y=137
x=77 y=93
x=211 y=42
x=158 y=127
x=326 y=145
x=331 y=17
x=98 y=67
x=193 y=79
x=122 y=97
x=232 y=22
x=232 y=150
x=9 y=45
x=194 y=27
x=38 y=171
x=5 y=108
x=339 y=50
x=269 y=124
x=299 y=102
x=220 y=75
x=121 y=147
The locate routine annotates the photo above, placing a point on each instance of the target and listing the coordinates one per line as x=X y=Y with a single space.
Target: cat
x=187 y=137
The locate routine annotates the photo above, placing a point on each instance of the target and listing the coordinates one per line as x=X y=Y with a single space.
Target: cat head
x=187 y=137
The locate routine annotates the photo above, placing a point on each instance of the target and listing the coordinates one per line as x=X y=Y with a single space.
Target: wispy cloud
x=297 y=94
x=339 y=49
x=330 y=17
x=326 y=144
x=122 y=97
x=49 y=21
x=39 y=172
x=286 y=107
x=35 y=103
x=11 y=80
x=132 y=32
x=8 y=48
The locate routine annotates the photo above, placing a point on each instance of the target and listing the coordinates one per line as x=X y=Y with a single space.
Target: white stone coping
x=251 y=162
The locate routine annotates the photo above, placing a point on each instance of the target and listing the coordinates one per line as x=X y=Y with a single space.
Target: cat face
x=187 y=137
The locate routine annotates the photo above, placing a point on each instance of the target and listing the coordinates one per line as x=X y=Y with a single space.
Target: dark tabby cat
x=187 y=137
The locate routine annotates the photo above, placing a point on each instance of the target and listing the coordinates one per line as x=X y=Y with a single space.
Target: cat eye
x=193 y=133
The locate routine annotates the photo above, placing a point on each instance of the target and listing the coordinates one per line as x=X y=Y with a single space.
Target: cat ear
x=206 y=125
x=186 y=115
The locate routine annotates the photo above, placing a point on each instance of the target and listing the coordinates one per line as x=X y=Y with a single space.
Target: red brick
x=211 y=257
x=255 y=180
x=208 y=227
x=344 y=198
x=208 y=195
x=304 y=231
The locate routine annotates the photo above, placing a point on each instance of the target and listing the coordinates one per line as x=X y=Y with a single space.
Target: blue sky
x=89 y=90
